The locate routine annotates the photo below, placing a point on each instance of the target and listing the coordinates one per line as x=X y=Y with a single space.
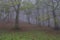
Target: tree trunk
x=38 y=14
x=54 y=16
x=28 y=17
x=43 y=15
x=8 y=17
x=56 y=25
x=17 y=20
x=48 y=17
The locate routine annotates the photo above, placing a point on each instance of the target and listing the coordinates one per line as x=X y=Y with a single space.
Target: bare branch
x=13 y=5
x=57 y=5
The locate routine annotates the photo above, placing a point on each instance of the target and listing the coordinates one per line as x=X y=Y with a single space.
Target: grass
x=31 y=35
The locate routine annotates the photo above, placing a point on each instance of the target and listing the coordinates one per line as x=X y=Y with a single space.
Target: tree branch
x=57 y=5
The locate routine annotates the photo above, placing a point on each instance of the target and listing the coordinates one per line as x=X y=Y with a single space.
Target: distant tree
x=28 y=7
x=4 y=10
x=48 y=17
x=38 y=9
x=20 y=5
x=54 y=5
x=16 y=4
x=54 y=14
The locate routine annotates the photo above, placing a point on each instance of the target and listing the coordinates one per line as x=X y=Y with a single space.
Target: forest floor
x=30 y=35
x=27 y=32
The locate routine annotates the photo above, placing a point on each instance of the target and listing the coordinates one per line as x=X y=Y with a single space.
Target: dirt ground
x=26 y=27
x=22 y=25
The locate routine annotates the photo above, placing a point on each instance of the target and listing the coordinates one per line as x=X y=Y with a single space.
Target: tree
x=54 y=5
x=19 y=5
x=54 y=14
x=38 y=9
x=4 y=9
x=27 y=7
x=48 y=17
x=16 y=4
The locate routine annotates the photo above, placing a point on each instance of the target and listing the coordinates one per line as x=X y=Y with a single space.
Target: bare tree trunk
x=0 y=16
x=38 y=14
x=8 y=17
x=17 y=20
x=28 y=13
x=54 y=16
x=48 y=17
x=28 y=17
x=43 y=15
x=56 y=25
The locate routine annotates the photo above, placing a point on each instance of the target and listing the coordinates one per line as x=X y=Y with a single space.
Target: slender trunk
x=48 y=17
x=54 y=16
x=8 y=17
x=28 y=15
x=43 y=15
x=56 y=25
x=38 y=14
x=17 y=20
x=48 y=21
x=0 y=16
x=17 y=17
x=28 y=19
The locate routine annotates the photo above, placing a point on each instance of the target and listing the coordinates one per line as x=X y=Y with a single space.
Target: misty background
x=38 y=8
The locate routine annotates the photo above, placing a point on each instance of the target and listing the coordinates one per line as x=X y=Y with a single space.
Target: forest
x=29 y=19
